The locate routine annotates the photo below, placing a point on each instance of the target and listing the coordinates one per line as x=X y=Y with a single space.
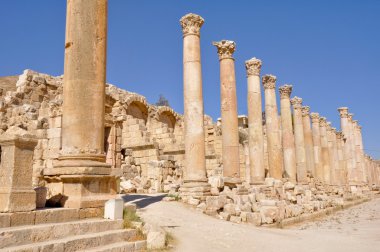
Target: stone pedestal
x=230 y=131
x=287 y=134
x=255 y=122
x=299 y=140
x=317 y=146
x=309 y=146
x=195 y=181
x=86 y=178
x=275 y=154
x=324 y=150
x=16 y=191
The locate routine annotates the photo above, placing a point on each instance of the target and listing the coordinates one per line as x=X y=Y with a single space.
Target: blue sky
x=328 y=50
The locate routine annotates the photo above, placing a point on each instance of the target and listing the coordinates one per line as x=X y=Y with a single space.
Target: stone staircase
x=79 y=235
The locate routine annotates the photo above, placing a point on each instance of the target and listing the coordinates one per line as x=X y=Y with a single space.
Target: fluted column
x=325 y=150
x=255 y=122
x=299 y=140
x=317 y=146
x=230 y=133
x=287 y=133
x=195 y=161
x=359 y=152
x=309 y=148
x=334 y=158
x=275 y=155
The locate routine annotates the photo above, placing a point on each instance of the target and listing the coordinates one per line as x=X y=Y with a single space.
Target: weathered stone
x=215 y=202
x=254 y=218
x=269 y=214
x=235 y=219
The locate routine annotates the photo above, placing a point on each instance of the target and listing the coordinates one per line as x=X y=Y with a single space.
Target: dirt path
x=356 y=229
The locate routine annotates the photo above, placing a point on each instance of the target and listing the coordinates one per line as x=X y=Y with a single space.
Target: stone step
x=16 y=236
x=120 y=247
x=78 y=242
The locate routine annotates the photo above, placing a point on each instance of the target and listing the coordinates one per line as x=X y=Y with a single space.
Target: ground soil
x=356 y=229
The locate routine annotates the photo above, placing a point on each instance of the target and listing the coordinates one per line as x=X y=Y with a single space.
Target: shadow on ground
x=143 y=200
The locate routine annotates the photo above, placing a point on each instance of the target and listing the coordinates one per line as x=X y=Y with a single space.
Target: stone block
x=215 y=202
x=254 y=218
x=269 y=214
x=268 y=202
x=236 y=219
x=5 y=220
x=41 y=193
x=22 y=218
x=113 y=209
x=156 y=238
x=131 y=207
x=56 y=215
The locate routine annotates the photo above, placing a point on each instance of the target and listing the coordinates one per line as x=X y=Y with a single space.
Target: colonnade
x=301 y=145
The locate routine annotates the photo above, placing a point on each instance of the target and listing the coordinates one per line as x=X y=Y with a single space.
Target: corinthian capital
x=339 y=135
x=191 y=24
x=225 y=48
x=305 y=110
x=350 y=116
x=253 y=67
x=314 y=117
x=322 y=121
x=343 y=112
x=296 y=102
x=269 y=81
x=285 y=91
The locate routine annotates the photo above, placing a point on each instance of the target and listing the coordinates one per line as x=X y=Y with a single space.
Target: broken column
x=317 y=146
x=195 y=181
x=81 y=167
x=309 y=148
x=230 y=131
x=324 y=150
x=275 y=155
x=16 y=191
x=287 y=133
x=299 y=140
x=255 y=122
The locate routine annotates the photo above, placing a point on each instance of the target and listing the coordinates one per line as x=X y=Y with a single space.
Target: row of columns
x=300 y=145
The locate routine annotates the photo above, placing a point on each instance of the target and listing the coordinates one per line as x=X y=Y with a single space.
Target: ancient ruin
x=75 y=141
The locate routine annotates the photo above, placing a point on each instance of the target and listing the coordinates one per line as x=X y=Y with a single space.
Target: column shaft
x=309 y=146
x=275 y=155
x=230 y=131
x=299 y=140
x=325 y=150
x=195 y=161
x=287 y=133
x=255 y=122
x=317 y=147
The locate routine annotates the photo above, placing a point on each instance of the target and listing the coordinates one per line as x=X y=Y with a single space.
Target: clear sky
x=328 y=49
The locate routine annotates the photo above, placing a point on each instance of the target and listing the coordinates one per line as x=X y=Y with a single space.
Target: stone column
x=345 y=127
x=335 y=158
x=353 y=149
x=230 y=131
x=275 y=155
x=317 y=147
x=342 y=176
x=299 y=140
x=81 y=166
x=359 y=151
x=287 y=134
x=195 y=181
x=255 y=122
x=324 y=150
x=309 y=146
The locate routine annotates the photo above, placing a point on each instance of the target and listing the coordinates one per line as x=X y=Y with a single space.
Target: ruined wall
x=143 y=142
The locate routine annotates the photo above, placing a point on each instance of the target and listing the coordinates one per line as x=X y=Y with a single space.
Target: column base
x=195 y=189
x=257 y=181
x=84 y=183
x=232 y=182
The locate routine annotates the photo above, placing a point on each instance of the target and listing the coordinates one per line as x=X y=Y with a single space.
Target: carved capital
x=191 y=24
x=285 y=91
x=305 y=110
x=269 y=81
x=322 y=121
x=350 y=116
x=339 y=135
x=225 y=48
x=314 y=117
x=296 y=102
x=253 y=67
x=343 y=112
